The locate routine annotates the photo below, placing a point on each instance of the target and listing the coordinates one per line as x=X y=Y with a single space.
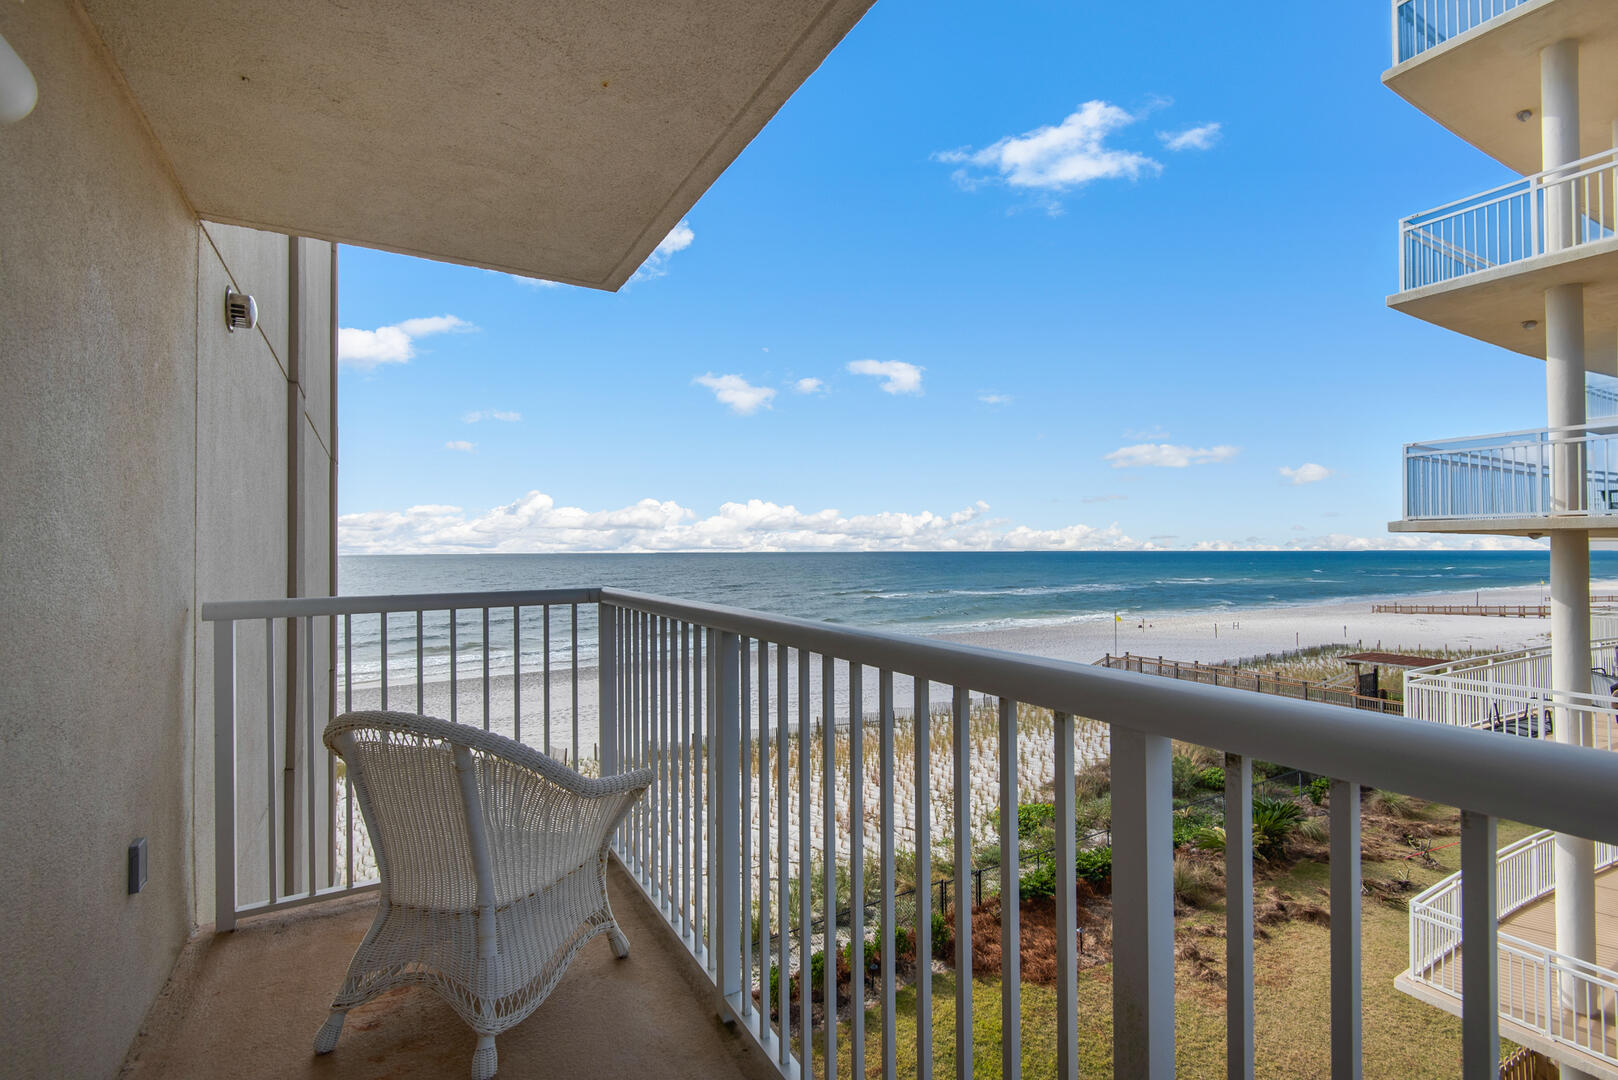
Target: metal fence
x=1419 y=25
x=1519 y=474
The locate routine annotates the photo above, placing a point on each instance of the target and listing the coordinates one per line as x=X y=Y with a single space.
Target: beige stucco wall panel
x=97 y=327
x=315 y=367
x=553 y=139
x=1475 y=83
x=257 y=264
x=241 y=544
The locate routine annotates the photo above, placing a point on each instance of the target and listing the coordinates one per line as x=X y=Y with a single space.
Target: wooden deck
x=1523 y=999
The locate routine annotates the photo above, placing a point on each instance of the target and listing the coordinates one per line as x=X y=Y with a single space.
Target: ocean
x=932 y=593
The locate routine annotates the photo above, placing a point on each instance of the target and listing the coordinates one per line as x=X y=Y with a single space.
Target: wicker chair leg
x=620 y=944
x=326 y=1037
x=484 y=1062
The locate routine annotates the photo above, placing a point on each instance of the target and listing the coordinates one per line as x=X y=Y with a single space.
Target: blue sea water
x=934 y=592
x=957 y=592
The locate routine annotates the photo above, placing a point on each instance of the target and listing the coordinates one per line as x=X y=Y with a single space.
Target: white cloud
x=733 y=390
x=1056 y=157
x=535 y=523
x=492 y=414
x=396 y=344
x=1164 y=455
x=1307 y=473
x=656 y=264
x=461 y=445
x=897 y=376
x=1201 y=137
x=995 y=399
x=809 y=385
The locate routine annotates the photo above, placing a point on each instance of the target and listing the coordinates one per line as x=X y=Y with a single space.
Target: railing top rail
x=299 y=606
x=1572 y=170
x=1481 y=663
x=1528 y=436
x=1552 y=785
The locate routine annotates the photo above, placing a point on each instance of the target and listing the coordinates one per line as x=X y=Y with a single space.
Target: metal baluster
x=890 y=1065
x=1345 y=931
x=1010 y=890
x=961 y=708
x=828 y=782
x=1238 y=917
x=924 y=881
x=1143 y=906
x=783 y=962
x=806 y=916
x=1480 y=952
x=1067 y=975
x=486 y=669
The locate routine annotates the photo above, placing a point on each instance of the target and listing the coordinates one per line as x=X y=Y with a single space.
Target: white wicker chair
x=493 y=865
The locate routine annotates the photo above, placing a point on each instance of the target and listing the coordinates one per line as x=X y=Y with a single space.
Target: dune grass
x=1403 y=1038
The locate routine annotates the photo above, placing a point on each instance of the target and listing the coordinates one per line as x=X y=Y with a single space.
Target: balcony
x=1549 y=1001
x=1473 y=65
x=790 y=753
x=1510 y=693
x=1524 y=483
x=1480 y=265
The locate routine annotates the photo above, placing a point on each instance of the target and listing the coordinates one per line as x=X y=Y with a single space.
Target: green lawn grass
x=1403 y=1038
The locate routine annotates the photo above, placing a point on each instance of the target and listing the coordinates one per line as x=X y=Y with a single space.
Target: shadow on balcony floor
x=247 y=1005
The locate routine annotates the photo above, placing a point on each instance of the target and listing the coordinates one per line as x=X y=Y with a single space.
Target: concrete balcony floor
x=247 y=1004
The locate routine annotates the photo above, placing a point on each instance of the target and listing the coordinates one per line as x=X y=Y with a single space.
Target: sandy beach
x=1223 y=637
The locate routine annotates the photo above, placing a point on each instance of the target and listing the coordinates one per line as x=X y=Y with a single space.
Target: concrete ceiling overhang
x=1475 y=83
x=1492 y=305
x=544 y=138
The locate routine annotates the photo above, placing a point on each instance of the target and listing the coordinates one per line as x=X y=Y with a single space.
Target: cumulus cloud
x=897 y=376
x=461 y=445
x=1307 y=473
x=492 y=414
x=995 y=399
x=1167 y=456
x=656 y=264
x=396 y=344
x=808 y=386
x=1056 y=157
x=535 y=523
x=742 y=396
x=1201 y=137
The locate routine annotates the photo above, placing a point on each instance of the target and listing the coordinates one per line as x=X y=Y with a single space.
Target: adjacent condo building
x=1530 y=266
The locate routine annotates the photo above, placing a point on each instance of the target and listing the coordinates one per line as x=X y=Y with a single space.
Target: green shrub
x=1274 y=821
x=1093 y=814
x=1212 y=778
x=872 y=954
x=1094 y=865
x=1317 y=789
x=1038 y=883
x=1184 y=772
x=1189 y=821
x=1031 y=817
x=1209 y=838
x=941 y=936
x=1393 y=804
x=817 y=970
x=1314 y=830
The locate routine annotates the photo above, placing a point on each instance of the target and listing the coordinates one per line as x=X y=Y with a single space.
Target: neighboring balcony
x=1552 y=1002
x=1473 y=66
x=1480 y=265
x=1510 y=693
x=1521 y=483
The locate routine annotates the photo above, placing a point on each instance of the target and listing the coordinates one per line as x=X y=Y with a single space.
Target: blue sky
x=1114 y=267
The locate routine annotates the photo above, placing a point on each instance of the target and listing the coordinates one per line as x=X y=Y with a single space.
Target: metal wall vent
x=241 y=311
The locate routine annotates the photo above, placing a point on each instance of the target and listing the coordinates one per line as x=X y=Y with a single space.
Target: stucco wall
x=144 y=468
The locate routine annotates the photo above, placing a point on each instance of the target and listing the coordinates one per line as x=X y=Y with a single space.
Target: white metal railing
x=1518 y=474
x=1600 y=396
x=752 y=842
x=1419 y=25
x=1511 y=693
x=1550 y=211
x=1562 y=998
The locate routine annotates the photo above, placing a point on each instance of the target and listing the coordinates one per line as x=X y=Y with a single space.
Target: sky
x=1037 y=275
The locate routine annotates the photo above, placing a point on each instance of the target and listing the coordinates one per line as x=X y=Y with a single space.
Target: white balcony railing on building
x=1550 y=211
x=769 y=799
x=1419 y=25
x=1519 y=474
x=1510 y=693
x=1562 y=998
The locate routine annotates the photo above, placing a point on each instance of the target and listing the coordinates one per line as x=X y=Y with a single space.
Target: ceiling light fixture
x=1525 y=115
x=1530 y=324
x=18 y=91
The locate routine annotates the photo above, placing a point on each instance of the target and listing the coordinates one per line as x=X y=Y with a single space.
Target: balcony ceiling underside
x=1604 y=527
x=1476 y=83
x=545 y=138
x=1491 y=305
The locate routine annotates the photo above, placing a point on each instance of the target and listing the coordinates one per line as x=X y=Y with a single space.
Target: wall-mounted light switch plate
x=137 y=866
